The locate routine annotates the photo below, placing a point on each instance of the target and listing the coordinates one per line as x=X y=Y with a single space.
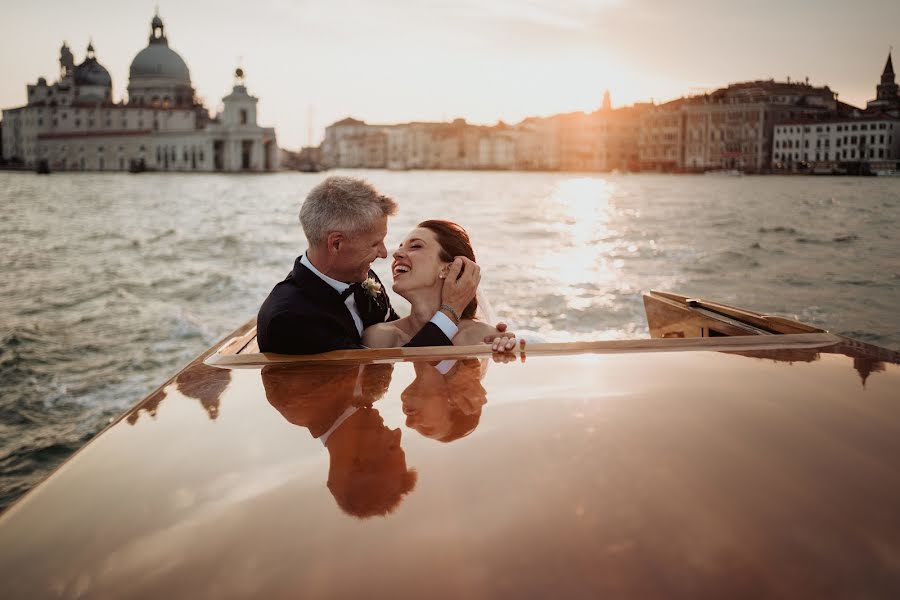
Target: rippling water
x=111 y=282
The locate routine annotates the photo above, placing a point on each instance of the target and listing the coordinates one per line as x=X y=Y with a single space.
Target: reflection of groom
x=332 y=295
x=367 y=474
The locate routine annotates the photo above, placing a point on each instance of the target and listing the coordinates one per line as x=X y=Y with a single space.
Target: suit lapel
x=322 y=295
x=374 y=310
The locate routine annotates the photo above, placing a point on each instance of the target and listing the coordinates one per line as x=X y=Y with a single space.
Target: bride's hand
x=502 y=340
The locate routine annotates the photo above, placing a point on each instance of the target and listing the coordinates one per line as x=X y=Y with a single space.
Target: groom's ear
x=334 y=241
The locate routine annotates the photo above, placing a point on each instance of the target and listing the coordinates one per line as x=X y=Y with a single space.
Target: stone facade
x=604 y=140
x=74 y=124
x=661 y=142
x=849 y=141
x=729 y=129
x=457 y=145
x=838 y=145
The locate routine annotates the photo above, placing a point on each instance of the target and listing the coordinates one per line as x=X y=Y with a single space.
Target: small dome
x=90 y=72
x=156 y=22
x=158 y=60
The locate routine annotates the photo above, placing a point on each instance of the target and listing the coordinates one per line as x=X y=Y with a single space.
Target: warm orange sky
x=401 y=60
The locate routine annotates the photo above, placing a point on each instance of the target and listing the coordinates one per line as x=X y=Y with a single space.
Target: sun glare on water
x=581 y=210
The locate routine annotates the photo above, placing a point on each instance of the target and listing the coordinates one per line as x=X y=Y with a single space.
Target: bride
x=420 y=264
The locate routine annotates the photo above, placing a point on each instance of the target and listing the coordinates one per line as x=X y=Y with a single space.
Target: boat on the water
x=137 y=165
x=733 y=454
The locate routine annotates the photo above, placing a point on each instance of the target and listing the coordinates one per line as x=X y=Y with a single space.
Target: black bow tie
x=353 y=289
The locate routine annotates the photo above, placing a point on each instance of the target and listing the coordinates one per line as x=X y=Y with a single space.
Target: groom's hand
x=460 y=285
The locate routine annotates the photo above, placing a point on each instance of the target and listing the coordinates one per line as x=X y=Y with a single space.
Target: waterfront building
x=351 y=143
x=849 y=141
x=537 y=146
x=398 y=140
x=344 y=143
x=604 y=140
x=838 y=145
x=661 y=137
x=730 y=128
x=75 y=124
x=497 y=147
x=620 y=137
x=578 y=143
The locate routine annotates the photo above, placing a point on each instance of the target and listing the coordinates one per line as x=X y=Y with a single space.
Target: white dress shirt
x=339 y=286
x=440 y=319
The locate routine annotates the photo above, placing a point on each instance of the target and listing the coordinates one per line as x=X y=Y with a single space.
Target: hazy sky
x=484 y=60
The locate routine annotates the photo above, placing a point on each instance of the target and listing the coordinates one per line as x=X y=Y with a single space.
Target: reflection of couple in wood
x=368 y=474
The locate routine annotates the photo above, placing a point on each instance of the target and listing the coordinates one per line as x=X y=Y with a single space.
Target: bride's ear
x=443 y=272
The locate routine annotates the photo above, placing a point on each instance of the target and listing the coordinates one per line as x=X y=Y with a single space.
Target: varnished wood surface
x=669 y=314
x=686 y=474
x=814 y=340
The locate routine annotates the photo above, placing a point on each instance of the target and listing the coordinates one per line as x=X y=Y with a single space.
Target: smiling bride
x=420 y=265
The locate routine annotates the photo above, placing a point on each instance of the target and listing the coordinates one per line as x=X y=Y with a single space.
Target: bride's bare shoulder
x=381 y=335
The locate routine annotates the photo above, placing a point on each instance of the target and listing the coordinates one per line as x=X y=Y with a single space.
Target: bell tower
x=66 y=61
x=240 y=107
x=887 y=89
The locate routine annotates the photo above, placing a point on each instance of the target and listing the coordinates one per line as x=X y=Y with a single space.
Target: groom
x=332 y=294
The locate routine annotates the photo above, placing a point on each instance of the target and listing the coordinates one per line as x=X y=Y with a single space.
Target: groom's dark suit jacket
x=305 y=315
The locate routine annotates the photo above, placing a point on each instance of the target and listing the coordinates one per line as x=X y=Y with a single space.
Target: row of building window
x=91 y=122
x=836 y=155
x=852 y=140
x=827 y=128
x=63 y=149
x=108 y=112
x=170 y=154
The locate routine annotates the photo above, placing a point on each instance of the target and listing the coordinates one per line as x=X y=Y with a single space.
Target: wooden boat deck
x=673 y=467
x=242 y=350
x=676 y=323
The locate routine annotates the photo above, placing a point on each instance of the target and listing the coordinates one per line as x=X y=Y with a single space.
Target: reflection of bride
x=420 y=264
x=445 y=406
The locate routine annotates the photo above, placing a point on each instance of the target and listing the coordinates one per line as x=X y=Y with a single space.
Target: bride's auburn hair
x=454 y=241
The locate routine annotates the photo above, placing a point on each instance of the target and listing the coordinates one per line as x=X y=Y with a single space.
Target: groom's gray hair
x=343 y=204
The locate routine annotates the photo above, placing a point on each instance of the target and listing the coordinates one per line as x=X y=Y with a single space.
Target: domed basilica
x=75 y=124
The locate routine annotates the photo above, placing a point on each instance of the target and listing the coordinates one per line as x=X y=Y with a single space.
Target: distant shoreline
x=710 y=173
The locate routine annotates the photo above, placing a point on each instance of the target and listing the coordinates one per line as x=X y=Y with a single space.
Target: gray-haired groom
x=332 y=294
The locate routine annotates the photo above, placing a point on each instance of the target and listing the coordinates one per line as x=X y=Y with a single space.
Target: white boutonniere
x=372 y=287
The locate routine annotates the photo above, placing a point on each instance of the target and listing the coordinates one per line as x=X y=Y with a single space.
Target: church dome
x=158 y=61
x=91 y=72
